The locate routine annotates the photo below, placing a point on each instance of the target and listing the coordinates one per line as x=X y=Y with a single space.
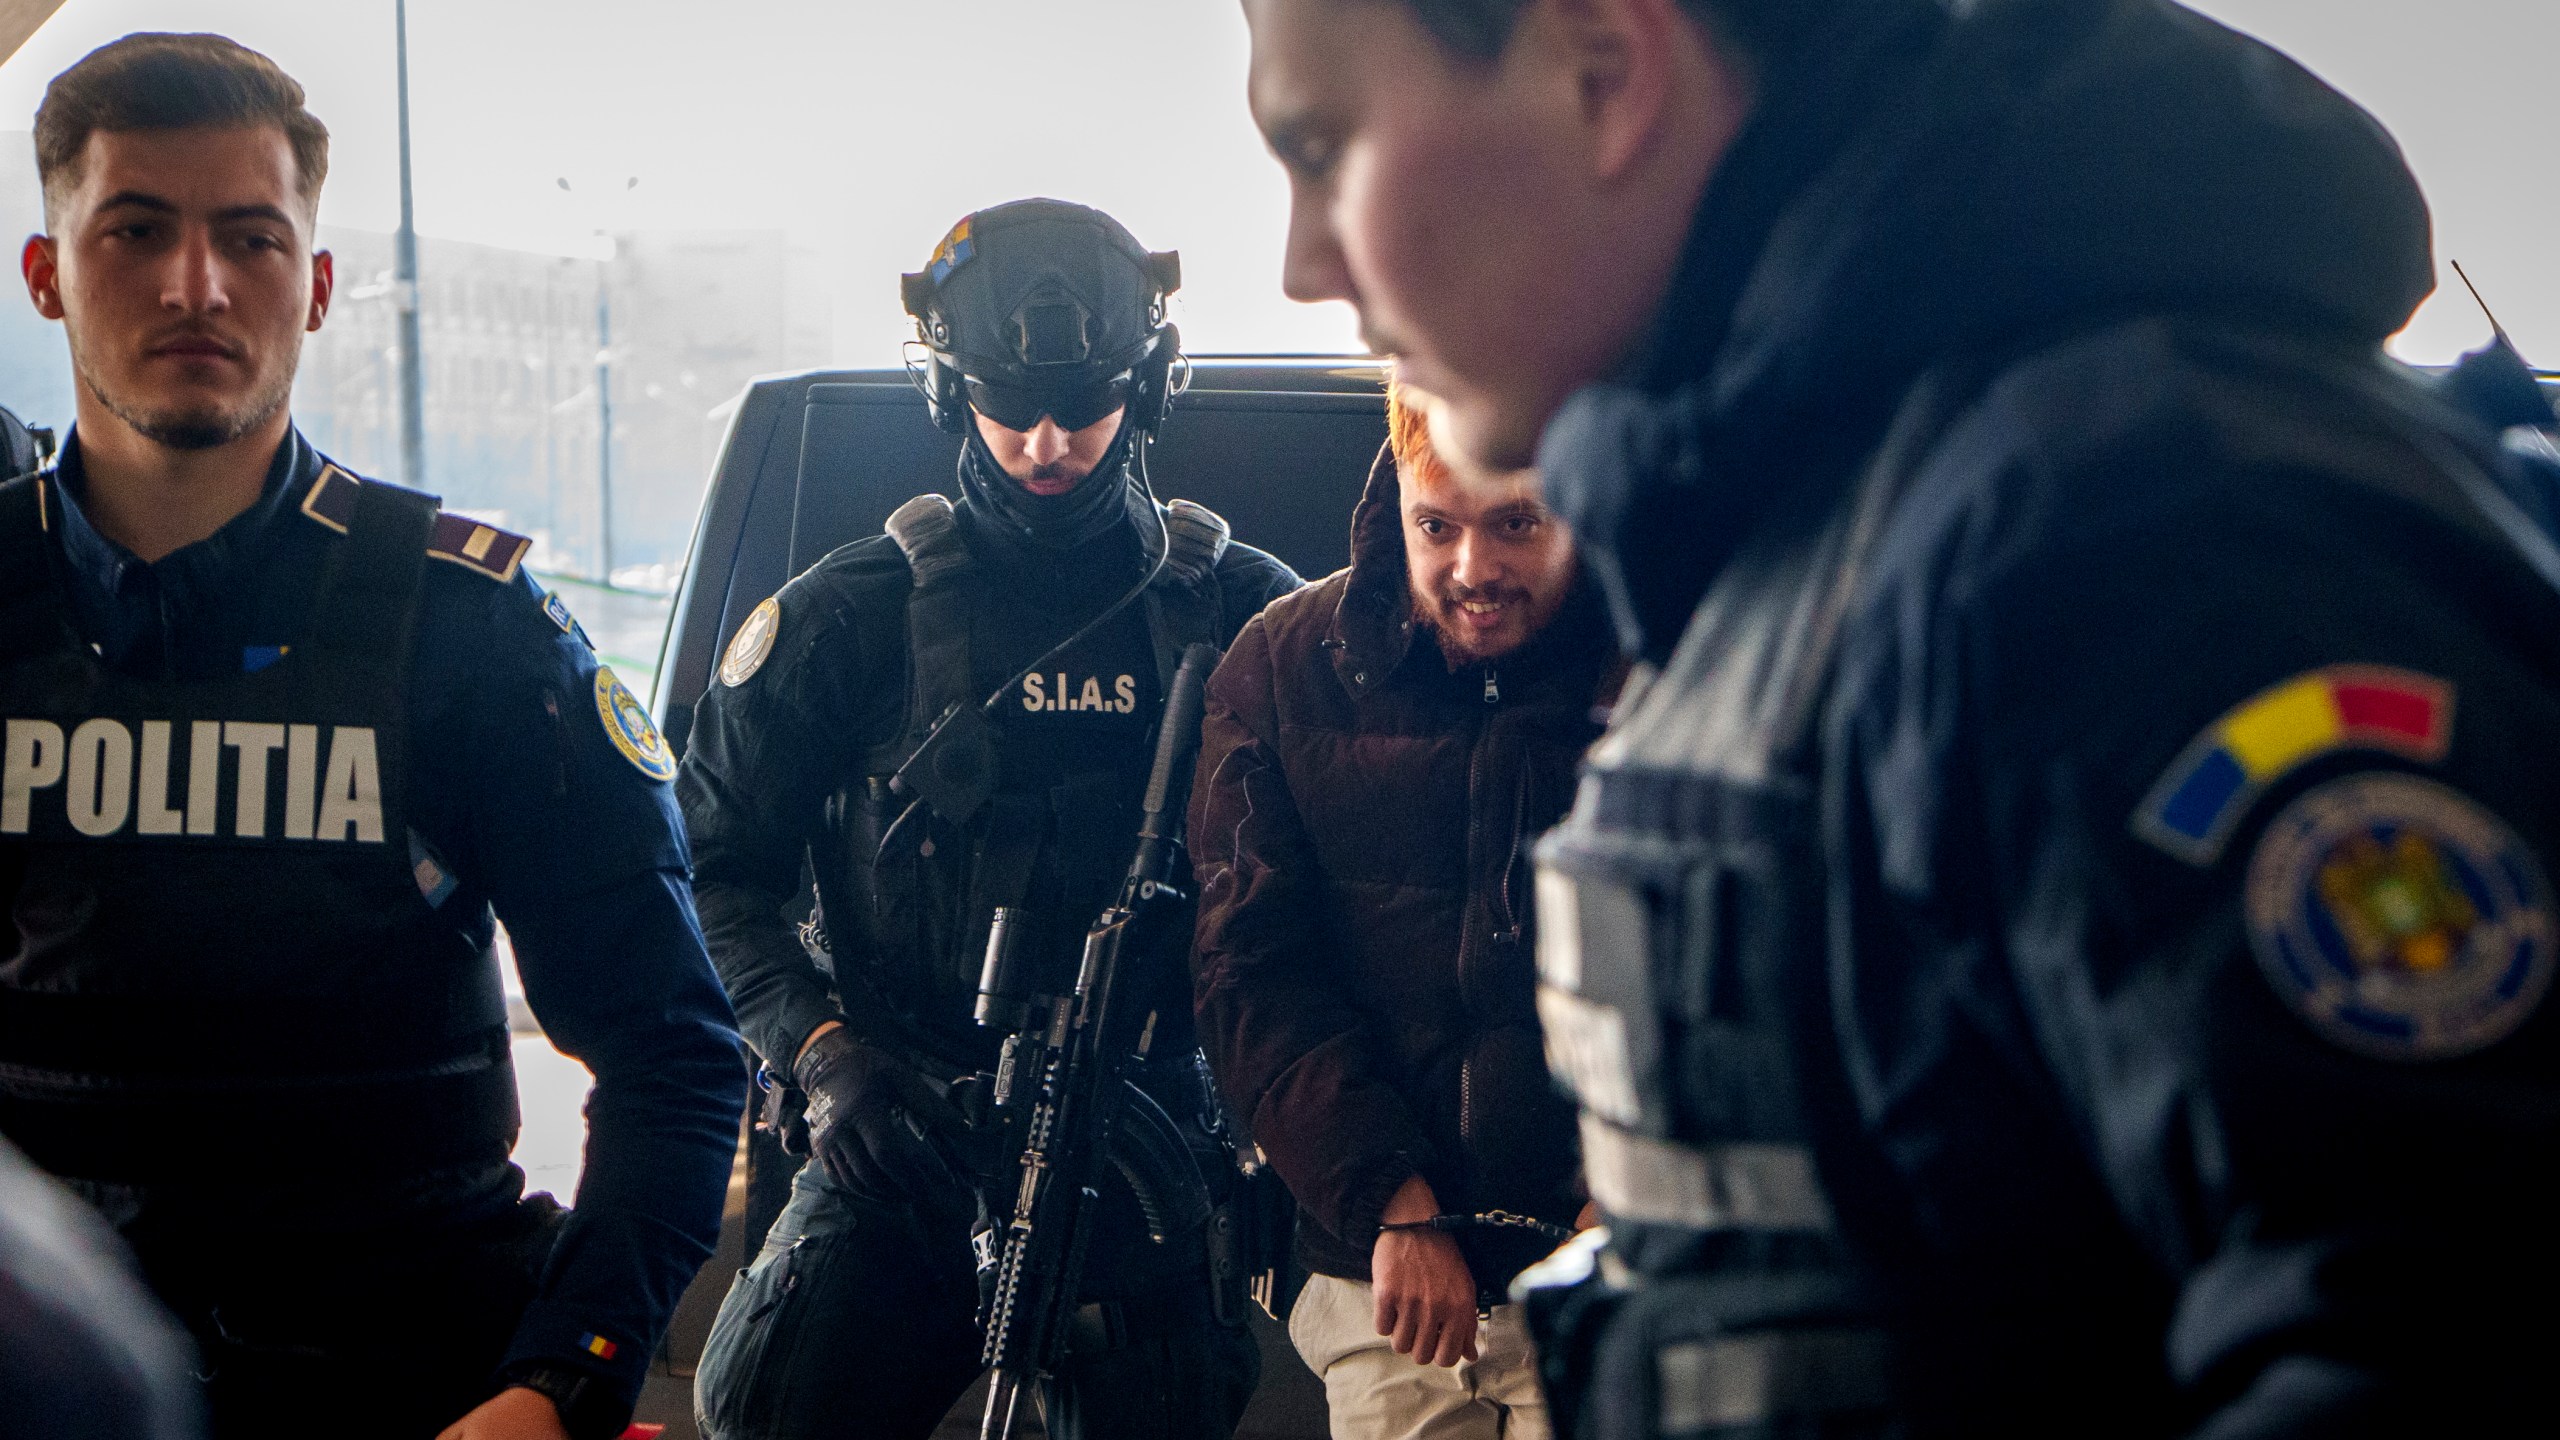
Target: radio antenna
x=2494 y=327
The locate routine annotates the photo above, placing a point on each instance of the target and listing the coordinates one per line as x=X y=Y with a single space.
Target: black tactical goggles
x=1074 y=405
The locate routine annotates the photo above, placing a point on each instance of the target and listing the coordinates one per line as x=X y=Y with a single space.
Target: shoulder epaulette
x=1195 y=537
x=486 y=549
x=928 y=534
x=332 y=500
x=456 y=539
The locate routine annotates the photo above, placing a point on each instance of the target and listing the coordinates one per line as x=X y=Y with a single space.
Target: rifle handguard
x=1177 y=744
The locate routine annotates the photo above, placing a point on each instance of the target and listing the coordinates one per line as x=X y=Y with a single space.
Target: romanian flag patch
x=953 y=252
x=598 y=1346
x=2211 y=786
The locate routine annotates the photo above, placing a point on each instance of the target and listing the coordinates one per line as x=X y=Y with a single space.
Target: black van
x=1279 y=446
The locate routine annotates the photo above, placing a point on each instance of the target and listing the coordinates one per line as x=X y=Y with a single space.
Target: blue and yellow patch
x=2400 y=918
x=435 y=882
x=953 y=252
x=627 y=725
x=557 y=611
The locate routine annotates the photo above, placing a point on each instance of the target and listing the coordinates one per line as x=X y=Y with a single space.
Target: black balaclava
x=1052 y=522
x=1043 y=297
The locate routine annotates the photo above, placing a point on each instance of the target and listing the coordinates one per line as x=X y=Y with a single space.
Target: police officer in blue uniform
x=2060 y=940
x=275 y=742
x=933 y=723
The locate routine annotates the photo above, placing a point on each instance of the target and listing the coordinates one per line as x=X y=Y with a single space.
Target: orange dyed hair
x=1409 y=436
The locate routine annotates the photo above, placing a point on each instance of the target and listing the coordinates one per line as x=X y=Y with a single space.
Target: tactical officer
x=2060 y=939
x=1021 y=640
x=275 y=741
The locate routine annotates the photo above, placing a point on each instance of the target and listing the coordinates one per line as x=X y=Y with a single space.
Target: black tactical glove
x=876 y=1123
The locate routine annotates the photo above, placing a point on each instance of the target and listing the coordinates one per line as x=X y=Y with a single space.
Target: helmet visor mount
x=1051 y=369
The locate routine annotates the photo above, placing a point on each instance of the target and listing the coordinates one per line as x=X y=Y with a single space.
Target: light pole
x=404 y=290
x=604 y=390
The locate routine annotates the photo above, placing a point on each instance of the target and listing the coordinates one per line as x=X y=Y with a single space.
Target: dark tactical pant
x=860 y=1320
x=389 y=1336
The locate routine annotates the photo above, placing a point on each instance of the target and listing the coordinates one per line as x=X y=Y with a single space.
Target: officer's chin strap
x=986 y=708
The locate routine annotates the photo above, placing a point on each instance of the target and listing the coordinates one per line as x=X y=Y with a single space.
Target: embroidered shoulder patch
x=557 y=611
x=627 y=725
x=2400 y=918
x=752 y=645
x=2206 y=792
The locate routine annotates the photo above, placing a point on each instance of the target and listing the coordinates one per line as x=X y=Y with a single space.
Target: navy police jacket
x=530 y=787
x=2131 y=707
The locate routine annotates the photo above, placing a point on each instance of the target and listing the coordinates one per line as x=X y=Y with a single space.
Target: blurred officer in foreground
x=277 y=741
x=1028 y=632
x=85 y=1352
x=2060 y=941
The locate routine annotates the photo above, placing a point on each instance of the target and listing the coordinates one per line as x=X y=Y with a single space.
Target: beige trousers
x=1373 y=1393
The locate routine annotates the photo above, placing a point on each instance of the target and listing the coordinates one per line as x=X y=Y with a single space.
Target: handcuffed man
x=1380 y=752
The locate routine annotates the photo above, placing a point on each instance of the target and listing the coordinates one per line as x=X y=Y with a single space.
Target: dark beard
x=1456 y=645
x=201 y=429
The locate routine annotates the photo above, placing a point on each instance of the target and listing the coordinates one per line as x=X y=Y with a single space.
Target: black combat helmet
x=1040 y=307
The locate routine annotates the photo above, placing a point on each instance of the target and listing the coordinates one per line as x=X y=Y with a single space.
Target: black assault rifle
x=1068 y=1062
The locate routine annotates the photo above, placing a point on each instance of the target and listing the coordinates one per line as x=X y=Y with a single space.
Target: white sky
x=866 y=127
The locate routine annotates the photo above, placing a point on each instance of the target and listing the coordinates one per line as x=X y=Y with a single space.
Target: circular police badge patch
x=2400 y=918
x=753 y=642
x=627 y=725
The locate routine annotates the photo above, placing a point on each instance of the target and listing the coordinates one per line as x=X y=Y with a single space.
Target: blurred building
x=35 y=375
x=512 y=341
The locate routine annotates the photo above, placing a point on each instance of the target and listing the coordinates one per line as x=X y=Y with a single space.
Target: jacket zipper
x=1511 y=862
x=1466 y=926
x=1466 y=1099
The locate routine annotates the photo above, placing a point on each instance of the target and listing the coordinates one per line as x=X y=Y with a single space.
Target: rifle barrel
x=1004 y=1400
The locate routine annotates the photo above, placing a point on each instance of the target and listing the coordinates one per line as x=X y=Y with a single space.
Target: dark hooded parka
x=2074 y=900
x=1361 y=830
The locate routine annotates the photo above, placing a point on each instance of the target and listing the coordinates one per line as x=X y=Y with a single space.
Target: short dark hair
x=1760 y=29
x=172 y=82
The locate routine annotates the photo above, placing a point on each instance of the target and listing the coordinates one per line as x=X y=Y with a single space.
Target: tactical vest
x=1681 y=943
x=222 y=957
x=905 y=928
